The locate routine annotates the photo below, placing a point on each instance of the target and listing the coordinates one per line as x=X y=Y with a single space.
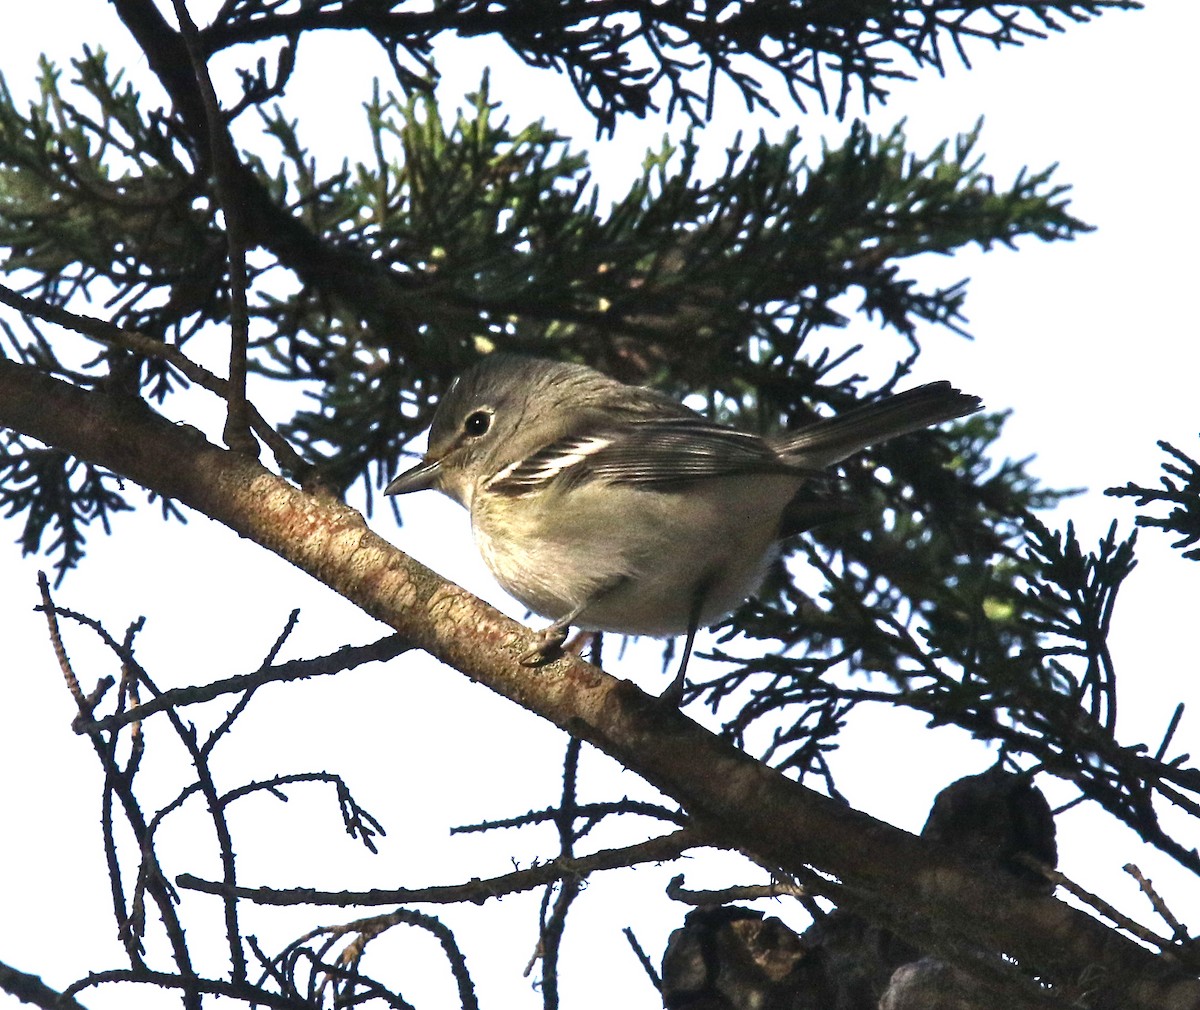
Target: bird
x=613 y=507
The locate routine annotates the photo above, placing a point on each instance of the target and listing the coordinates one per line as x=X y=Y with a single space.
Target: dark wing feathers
x=667 y=450
x=831 y=439
x=662 y=452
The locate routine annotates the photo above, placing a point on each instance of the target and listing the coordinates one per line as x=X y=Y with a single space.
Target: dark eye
x=477 y=423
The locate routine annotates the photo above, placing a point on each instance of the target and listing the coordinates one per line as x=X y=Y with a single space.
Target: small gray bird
x=611 y=507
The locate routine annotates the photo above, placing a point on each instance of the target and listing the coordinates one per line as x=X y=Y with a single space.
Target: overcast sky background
x=1093 y=345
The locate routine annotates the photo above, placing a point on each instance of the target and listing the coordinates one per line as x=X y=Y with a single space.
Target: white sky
x=1093 y=345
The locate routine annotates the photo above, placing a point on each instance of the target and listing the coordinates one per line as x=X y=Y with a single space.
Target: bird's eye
x=477 y=423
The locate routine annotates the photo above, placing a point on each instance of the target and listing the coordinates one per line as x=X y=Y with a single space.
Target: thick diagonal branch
x=888 y=874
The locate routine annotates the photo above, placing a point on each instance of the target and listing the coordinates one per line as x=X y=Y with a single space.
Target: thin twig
x=553 y=918
x=225 y=167
x=741 y=892
x=240 y=706
x=654 y=850
x=118 y=785
x=191 y=985
x=346 y=658
x=60 y=651
x=643 y=958
x=1094 y=901
x=31 y=989
x=594 y=812
x=216 y=809
x=104 y=332
x=368 y=929
x=1177 y=928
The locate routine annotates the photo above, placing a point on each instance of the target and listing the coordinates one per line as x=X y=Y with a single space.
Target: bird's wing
x=660 y=452
x=831 y=439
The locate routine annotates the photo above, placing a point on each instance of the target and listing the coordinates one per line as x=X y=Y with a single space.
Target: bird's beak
x=420 y=478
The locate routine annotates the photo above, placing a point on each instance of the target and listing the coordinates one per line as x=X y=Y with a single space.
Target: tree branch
x=31 y=989
x=104 y=332
x=737 y=801
x=192 y=987
x=226 y=170
x=743 y=892
x=346 y=658
x=654 y=850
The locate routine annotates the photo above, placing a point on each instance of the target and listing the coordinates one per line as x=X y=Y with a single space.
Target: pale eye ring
x=477 y=423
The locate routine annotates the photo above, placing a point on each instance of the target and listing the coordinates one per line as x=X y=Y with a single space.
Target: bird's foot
x=548 y=646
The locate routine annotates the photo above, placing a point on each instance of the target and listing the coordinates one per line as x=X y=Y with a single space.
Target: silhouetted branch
x=193 y=988
x=593 y=813
x=476 y=891
x=31 y=989
x=348 y=657
x=724 y=895
x=118 y=784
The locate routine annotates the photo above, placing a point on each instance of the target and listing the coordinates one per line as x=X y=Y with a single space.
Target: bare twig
x=244 y=700
x=654 y=850
x=643 y=958
x=594 y=812
x=743 y=892
x=553 y=913
x=1178 y=929
x=216 y=810
x=104 y=332
x=346 y=658
x=191 y=985
x=118 y=788
x=358 y=822
x=60 y=650
x=224 y=169
x=369 y=928
x=31 y=989
x=1094 y=901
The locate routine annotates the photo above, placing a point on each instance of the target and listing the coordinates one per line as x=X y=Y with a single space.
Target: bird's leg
x=580 y=642
x=673 y=695
x=550 y=640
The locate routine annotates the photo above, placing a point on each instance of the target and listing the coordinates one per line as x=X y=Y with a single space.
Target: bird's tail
x=832 y=439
